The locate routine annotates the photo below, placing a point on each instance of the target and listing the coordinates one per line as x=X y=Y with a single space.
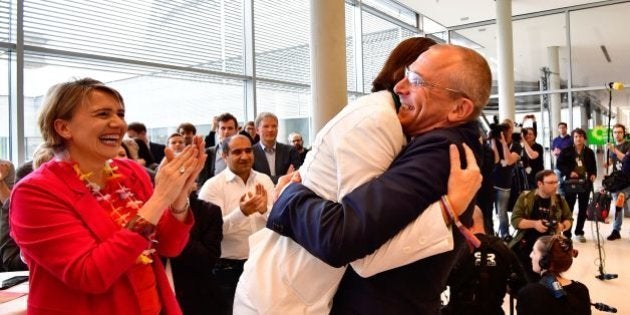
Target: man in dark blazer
x=226 y=126
x=271 y=157
x=196 y=287
x=435 y=116
x=152 y=153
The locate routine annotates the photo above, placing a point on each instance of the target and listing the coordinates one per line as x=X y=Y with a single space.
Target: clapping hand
x=253 y=202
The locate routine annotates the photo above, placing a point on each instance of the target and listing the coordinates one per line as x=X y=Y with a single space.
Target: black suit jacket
x=286 y=156
x=367 y=217
x=9 y=251
x=196 y=288
x=208 y=168
x=157 y=151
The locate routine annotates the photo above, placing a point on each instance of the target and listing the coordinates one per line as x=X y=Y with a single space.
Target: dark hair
x=562 y=124
x=556 y=253
x=187 y=127
x=527 y=130
x=540 y=176
x=176 y=134
x=579 y=131
x=620 y=126
x=227 y=117
x=404 y=54
x=137 y=127
x=225 y=145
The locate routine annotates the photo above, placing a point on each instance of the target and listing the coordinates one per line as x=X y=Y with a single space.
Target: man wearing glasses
x=441 y=96
x=538 y=212
x=616 y=152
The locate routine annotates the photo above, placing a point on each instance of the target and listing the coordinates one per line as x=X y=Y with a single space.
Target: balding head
x=469 y=73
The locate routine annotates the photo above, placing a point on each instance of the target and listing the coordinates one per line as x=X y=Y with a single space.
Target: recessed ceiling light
x=465 y=18
x=483 y=29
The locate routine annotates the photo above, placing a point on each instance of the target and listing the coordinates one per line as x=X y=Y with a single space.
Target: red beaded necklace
x=118 y=200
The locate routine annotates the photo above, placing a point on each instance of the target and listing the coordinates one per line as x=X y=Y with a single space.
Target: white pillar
x=328 y=61
x=505 y=59
x=554 y=84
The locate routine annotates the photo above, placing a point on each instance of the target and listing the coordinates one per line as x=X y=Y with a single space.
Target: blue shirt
x=561 y=143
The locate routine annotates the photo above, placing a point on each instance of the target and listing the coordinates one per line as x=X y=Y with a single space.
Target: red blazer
x=77 y=257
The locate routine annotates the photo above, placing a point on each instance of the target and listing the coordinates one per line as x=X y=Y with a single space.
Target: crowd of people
x=109 y=222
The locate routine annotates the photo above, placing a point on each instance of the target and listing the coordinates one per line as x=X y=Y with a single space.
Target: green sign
x=598 y=135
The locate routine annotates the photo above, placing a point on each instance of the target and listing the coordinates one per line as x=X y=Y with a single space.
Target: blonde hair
x=42 y=155
x=61 y=102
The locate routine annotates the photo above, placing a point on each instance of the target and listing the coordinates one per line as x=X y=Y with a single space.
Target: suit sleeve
x=426 y=236
x=366 y=218
x=294 y=157
x=9 y=251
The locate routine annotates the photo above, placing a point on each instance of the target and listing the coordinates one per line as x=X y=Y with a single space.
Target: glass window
x=195 y=34
x=4 y=105
x=603 y=45
x=350 y=51
x=394 y=10
x=281 y=40
x=290 y=104
x=379 y=38
x=161 y=99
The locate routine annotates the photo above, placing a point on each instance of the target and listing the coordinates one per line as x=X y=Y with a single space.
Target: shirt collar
x=264 y=147
x=230 y=176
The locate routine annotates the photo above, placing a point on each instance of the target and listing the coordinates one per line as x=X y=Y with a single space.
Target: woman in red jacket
x=91 y=227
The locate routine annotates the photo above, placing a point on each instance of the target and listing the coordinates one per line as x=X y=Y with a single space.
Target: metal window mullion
x=16 y=128
x=249 y=58
x=358 y=47
x=570 y=68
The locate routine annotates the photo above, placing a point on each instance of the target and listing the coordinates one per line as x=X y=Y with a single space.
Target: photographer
x=616 y=154
x=538 y=212
x=578 y=162
x=506 y=153
x=532 y=155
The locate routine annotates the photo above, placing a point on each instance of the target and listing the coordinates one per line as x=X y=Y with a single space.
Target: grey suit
x=286 y=155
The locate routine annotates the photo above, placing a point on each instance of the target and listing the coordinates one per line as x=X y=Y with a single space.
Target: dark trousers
x=227 y=272
x=582 y=199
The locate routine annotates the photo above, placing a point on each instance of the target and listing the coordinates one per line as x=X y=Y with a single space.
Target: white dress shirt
x=225 y=190
x=357 y=145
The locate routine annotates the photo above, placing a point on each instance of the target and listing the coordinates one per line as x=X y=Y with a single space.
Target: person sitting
x=538 y=212
x=553 y=294
x=9 y=251
x=90 y=226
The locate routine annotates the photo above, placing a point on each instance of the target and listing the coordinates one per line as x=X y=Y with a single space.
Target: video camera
x=551 y=224
x=496 y=129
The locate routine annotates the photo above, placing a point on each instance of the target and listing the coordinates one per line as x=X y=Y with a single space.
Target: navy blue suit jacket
x=286 y=155
x=366 y=218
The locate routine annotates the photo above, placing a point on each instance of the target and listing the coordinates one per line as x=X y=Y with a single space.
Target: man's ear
x=462 y=111
x=61 y=127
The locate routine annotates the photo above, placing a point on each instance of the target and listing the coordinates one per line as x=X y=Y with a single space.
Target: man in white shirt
x=244 y=196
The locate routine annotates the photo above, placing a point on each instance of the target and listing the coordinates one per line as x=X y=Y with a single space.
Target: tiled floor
x=615 y=292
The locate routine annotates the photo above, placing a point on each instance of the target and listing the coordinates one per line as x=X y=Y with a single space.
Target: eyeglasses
x=416 y=80
x=554 y=182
